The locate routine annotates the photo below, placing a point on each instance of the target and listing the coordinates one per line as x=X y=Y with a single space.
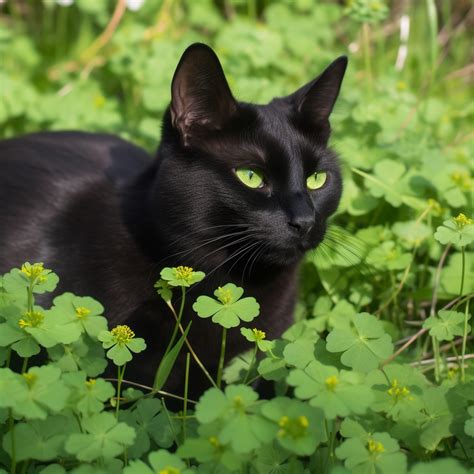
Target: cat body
x=107 y=217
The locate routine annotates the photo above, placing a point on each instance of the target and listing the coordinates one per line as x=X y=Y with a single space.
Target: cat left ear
x=315 y=101
x=201 y=100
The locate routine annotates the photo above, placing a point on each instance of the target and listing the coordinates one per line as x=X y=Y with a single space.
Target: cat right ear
x=201 y=100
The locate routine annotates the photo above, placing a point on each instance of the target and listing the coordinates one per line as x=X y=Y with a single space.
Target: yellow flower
x=35 y=271
x=259 y=335
x=170 y=470
x=122 y=334
x=398 y=392
x=82 y=312
x=184 y=273
x=375 y=447
x=293 y=427
x=462 y=220
x=30 y=379
x=31 y=319
x=331 y=383
x=224 y=295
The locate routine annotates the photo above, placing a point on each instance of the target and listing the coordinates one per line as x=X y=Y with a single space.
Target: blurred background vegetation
x=403 y=124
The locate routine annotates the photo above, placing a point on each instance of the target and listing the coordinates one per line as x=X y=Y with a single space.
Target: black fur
x=107 y=217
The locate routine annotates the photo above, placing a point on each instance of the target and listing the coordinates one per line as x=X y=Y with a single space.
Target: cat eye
x=316 y=180
x=251 y=177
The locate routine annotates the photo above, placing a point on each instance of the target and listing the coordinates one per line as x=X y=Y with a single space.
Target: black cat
x=237 y=190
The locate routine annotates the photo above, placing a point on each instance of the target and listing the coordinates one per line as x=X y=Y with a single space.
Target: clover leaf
x=181 y=276
x=42 y=392
x=103 y=436
x=257 y=336
x=42 y=439
x=11 y=387
x=365 y=346
x=161 y=462
x=149 y=422
x=380 y=454
x=240 y=426
x=84 y=312
x=457 y=230
x=386 y=181
x=469 y=425
x=439 y=466
x=121 y=342
x=164 y=289
x=88 y=395
x=300 y=427
x=446 y=325
x=336 y=393
x=228 y=308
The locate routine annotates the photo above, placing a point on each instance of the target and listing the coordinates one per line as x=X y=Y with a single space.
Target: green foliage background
x=396 y=266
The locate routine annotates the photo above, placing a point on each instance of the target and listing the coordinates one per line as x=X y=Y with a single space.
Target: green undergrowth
x=376 y=374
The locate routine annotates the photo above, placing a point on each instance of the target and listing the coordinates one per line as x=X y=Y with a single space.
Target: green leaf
x=457 y=230
x=439 y=466
x=103 y=436
x=228 y=309
x=336 y=393
x=365 y=346
x=161 y=462
x=181 y=276
x=381 y=455
x=446 y=325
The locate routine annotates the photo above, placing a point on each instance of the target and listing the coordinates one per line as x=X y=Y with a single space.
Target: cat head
x=242 y=182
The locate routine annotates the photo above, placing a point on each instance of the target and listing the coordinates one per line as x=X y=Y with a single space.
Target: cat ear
x=314 y=101
x=201 y=100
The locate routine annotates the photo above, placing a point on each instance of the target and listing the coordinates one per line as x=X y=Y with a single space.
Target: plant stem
x=178 y=320
x=252 y=362
x=191 y=350
x=221 y=357
x=463 y=269
x=24 y=367
x=464 y=340
x=436 y=358
x=120 y=374
x=12 y=439
x=185 y=404
x=367 y=59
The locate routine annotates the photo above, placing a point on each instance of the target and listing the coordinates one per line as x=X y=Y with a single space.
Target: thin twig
x=447 y=359
x=407 y=344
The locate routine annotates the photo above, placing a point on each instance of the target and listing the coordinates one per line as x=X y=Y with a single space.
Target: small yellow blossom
x=34 y=271
x=31 y=319
x=238 y=402
x=184 y=273
x=170 y=470
x=293 y=427
x=214 y=441
x=82 y=312
x=331 y=383
x=462 y=179
x=122 y=334
x=99 y=101
x=91 y=383
x=462 y=220
x=259 y=335
x=375 y=447
x=224 y=295
x=30 y=378
x=435 y=207
x=398 y=392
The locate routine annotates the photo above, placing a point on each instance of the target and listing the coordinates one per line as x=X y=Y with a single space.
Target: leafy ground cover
x=376 y=375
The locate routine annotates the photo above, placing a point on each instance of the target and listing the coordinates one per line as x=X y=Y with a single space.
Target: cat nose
x=301 y=223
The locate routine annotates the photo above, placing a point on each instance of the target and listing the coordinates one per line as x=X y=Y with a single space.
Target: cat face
x=245 y=184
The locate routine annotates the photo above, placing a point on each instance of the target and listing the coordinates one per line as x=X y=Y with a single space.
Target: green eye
x=250 y=177
x=316 y=180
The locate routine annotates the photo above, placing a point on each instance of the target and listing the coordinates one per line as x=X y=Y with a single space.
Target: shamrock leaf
x=380 y=454
x=457 y=230
x=161 y=462
x=257 y=336
x=11 y=387
x=42 y=391
x=300 y=427
x=164 y=289
x=149 y=422
x=469 y=425
x=439 y=466
x=103 y=436
x=386 y=181
x=447 y=325
x=121 y=342
x=84 y=312
x=181 y=276
x=228 y=308
x=42 y=439
x=88 y=395
x=239 y=424
x=336 y=393
x=365 y=346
